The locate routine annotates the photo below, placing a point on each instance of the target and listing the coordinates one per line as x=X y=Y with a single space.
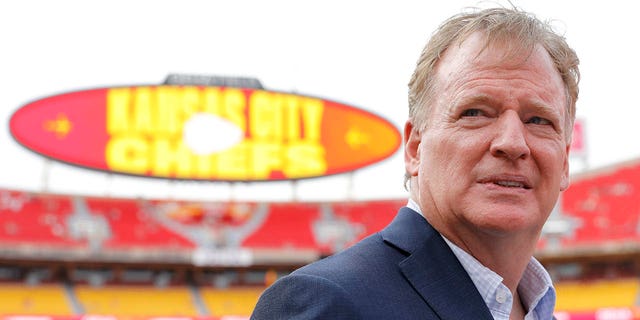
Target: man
x=491 y=108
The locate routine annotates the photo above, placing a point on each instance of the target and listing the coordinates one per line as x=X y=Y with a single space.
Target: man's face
x=493 y=156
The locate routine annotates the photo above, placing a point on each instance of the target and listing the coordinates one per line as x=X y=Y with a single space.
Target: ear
x=411 y=141
x=564 y=183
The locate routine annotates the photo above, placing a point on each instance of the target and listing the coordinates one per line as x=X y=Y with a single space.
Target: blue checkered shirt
x=535 y=287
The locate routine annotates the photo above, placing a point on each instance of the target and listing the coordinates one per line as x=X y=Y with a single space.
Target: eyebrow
x=481 y=97
x=535 y=104
x=545 y=109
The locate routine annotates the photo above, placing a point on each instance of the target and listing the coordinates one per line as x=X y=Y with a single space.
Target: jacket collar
x=432 y=269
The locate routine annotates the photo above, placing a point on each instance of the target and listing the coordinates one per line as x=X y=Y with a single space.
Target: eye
x=472 y=113
x=539 y=121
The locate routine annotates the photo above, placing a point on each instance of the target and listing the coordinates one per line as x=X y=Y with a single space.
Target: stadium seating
x=130 y=223
x=132 y=226
x=231 y=301
x=34 y=218
x=602 y=206
x=135 y=300
x=594 y=295
x=606 y=206
x=41 y=299
x=126 y=301
x=289 y=225
x=373 y=215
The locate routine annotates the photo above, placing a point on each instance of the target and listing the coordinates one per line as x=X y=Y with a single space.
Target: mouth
x=516 y=182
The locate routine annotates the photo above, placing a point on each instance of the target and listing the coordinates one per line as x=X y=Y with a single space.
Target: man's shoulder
x=354 y=259
x=378 y=253
x=357 y=283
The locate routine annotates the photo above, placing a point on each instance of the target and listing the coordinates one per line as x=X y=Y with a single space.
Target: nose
x=510 y=137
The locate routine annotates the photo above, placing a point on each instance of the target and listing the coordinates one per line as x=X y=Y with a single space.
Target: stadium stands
x=133 y=226
x=289 y=225
x=27 y=218
x=576 y=300
x=601 y=210
x=41 y=299
x=123 y=224
x=136 y=300
x=606 y=205
x=593 y=295
x=231 y=301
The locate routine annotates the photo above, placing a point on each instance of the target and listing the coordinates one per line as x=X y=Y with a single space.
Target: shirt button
x=501 y=296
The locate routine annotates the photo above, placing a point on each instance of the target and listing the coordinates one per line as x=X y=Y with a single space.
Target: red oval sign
x=204 y=133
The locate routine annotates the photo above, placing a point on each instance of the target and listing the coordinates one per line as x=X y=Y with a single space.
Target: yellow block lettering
x=265 y=116
x=312 y=110
x=190 y=104
x=143 y=110
x=235 y=161
x=167 y=102
x=118 y=112
x=171 y=158
x=235 y=104
x=205 y=167
x=305 y=159
x=267 y=157
x=128 y=154
x=212 y=101
x=291 y=117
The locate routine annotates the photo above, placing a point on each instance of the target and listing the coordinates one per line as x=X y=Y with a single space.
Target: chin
x=508 y=224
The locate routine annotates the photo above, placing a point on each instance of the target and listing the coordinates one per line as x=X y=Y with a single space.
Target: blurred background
x=80 y=242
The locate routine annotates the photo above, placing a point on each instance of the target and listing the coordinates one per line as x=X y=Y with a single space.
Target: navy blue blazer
x=405 y=271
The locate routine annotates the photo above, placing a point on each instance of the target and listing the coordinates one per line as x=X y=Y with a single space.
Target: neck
x=517 y=310
x=506 y=256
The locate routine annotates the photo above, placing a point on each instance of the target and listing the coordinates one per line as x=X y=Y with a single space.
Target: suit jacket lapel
x=433 y=270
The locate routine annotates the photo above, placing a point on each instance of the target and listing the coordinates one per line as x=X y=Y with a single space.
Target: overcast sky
x=358 y=52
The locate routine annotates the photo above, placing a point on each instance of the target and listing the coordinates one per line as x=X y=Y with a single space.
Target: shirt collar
x=535 y=287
